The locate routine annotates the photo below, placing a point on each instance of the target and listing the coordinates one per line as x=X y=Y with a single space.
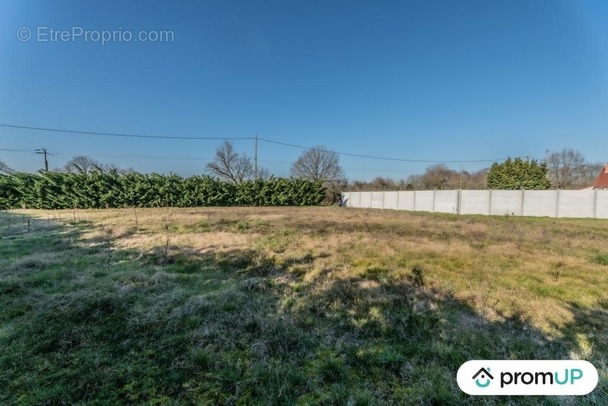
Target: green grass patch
x=601 y=259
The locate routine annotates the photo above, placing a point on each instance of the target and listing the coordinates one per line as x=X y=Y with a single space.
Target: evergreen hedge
x=516 y=174
x=55 y=190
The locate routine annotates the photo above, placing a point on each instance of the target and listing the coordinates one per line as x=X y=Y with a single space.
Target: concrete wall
x=406 y=201
x=391 y=200
x=507 y=202
x=539 y=203
x=601 y=204
x=446 y=201
x=576 y=203
x=423 y=200
x=474 y=202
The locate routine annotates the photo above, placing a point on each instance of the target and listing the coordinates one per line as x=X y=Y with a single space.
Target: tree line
x=566 y=169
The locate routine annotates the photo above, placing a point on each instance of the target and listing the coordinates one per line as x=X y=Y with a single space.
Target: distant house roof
x=602 y=179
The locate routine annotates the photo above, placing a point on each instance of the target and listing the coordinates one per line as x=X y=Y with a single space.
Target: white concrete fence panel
x=539 y=203
x=506 y=202
x=446 y=201
x=406 y=201
x=601 y=204
x=423 y=200
x=576 y=203
x=391 y=200
x=474 y=202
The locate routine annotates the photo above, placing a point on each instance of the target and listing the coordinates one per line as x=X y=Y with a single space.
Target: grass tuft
x=418 y=276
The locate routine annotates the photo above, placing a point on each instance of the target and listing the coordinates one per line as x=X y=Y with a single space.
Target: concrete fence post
x=523 y=199
x=398 y=193
x=594 y=203
x=557 y=204
x=458 y=201
x=433 y=200
x=414 y=200
x=383 y=197
x=490 y=203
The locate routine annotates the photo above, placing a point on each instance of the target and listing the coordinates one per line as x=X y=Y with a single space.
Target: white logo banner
x=499 y=377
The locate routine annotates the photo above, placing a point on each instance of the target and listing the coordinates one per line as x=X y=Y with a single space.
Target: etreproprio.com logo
x=499 y=377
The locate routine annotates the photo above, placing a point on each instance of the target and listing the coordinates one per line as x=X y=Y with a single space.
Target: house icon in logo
x=483 y=373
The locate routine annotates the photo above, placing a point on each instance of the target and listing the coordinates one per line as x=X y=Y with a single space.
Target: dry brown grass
x=502 y=266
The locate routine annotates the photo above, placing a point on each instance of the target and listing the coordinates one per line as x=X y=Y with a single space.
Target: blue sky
x=426 y=80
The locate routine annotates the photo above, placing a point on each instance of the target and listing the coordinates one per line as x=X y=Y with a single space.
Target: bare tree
x=438 y=177
x=115 y=168
x=4 y=168
x=264 y=174
x=378 y=183
x=568 y=168
x=82 y=164
x=589 y=173
x=318 y=164
x=441 y=177
x=230 y=165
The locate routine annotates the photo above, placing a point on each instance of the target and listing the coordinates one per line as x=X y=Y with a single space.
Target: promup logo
x=527 y=377
x=485 y=375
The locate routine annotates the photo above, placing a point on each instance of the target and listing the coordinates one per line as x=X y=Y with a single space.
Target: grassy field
x=290 y=305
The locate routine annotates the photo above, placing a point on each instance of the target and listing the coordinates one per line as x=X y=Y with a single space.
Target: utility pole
x=255 y=157
x=42 y=151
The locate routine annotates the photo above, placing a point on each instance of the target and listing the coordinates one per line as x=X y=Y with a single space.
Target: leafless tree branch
x=231 y=166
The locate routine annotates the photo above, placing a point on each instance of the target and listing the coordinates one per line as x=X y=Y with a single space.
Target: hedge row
x=55 y=190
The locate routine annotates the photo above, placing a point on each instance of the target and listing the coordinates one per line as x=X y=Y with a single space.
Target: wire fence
x=14 y=225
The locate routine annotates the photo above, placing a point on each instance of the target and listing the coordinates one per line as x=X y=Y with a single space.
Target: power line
x=17 y=150
x=95 y=155
x=170 y=137
x=381 y=157
x=133 y=156
x=245 y=138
